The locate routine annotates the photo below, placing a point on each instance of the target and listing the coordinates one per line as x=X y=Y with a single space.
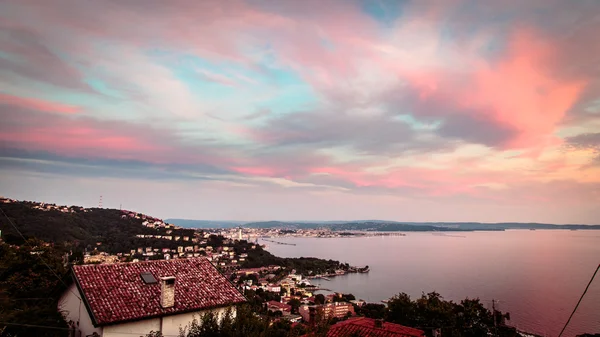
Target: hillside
x=110 y=229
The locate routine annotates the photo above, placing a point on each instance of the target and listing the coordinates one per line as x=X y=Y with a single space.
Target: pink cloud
x=38 y=105
x=522 y=92
x=85 y=137
x=256 y=171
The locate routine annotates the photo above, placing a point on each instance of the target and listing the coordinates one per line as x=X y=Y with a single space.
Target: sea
x=536 y=275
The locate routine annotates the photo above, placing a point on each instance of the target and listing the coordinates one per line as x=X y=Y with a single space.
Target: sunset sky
x=304 y=110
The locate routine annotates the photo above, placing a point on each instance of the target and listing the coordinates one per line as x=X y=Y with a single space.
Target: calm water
x=537 y=276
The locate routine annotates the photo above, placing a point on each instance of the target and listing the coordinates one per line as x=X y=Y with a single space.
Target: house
x=292 y=318
x=330 y=310
x=275 y=306
x=273 y=288
x=363 y=326
x=132 y=299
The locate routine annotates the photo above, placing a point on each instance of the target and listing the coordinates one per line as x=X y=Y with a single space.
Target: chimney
x=167 y=291
x=379 y=323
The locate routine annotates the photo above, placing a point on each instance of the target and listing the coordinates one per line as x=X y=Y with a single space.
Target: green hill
x=110 y=229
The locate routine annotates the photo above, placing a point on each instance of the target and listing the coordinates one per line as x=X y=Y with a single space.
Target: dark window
x=148 y=278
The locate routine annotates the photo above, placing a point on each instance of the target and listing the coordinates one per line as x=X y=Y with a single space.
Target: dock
x=279 y=242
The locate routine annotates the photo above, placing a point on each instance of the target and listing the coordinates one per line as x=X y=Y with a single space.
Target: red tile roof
x=363 y=326
x=116 y=292
x=279 y=306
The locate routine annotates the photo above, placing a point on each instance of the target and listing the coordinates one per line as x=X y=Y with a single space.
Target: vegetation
x=30 y=291
x=81 y=229
x=467 y=318
x=259 y=257
x=245 y=324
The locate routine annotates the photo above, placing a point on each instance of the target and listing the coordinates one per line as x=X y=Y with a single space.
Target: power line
x=38 y=255
x=34 y=326
x=581 y=298
x=60 y=328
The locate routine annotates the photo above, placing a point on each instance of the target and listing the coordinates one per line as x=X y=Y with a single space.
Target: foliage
x=81 y=229
x=304 y=265
x=344 y=298
x=295 y=304
x=245 y=323
x=29 y=291
x=371 y=310
x=467 y=318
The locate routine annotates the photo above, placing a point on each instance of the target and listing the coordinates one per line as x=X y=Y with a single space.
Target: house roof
x=279 y=305
x=116 y=292
x=363 y=326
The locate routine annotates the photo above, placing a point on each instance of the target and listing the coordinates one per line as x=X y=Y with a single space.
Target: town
x=277 y=290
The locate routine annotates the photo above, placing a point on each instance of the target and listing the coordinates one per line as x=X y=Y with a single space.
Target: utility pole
x=100 y=202
x=494 y=315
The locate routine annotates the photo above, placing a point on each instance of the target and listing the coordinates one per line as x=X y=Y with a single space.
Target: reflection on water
x=537 y=276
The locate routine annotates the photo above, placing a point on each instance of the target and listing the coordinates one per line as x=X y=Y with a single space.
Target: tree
x=319 y=299
x=31 y=281
x=295 y=303
x=401 y=309
x=372 y=310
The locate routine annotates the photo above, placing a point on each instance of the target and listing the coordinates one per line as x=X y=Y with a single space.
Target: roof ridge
x=138 y=262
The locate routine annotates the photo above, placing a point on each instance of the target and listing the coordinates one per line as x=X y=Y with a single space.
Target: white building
x=127 y=299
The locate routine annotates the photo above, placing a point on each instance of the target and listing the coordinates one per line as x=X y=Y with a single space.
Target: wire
x=34 y=326
x=581 y=298
x=38 y=255
x=59 y=328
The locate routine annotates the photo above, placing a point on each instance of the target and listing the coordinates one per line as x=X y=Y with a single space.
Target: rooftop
x=117 y=292
x=363 y=326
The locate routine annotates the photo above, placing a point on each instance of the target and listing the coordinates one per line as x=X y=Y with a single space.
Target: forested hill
x=116 y=230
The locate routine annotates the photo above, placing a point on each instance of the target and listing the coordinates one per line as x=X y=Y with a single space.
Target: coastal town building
x=275 y=306
x=126 y=299
x=329 y=310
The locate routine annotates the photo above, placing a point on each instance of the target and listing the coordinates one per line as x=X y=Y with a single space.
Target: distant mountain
x=205 y=223
x=375 y=225
x=382 y=225
x=352 y=226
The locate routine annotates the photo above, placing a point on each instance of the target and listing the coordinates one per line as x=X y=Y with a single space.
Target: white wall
x=73 y=309
x=139 y=328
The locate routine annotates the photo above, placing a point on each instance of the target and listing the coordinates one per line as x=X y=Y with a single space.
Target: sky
x=451 y=110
